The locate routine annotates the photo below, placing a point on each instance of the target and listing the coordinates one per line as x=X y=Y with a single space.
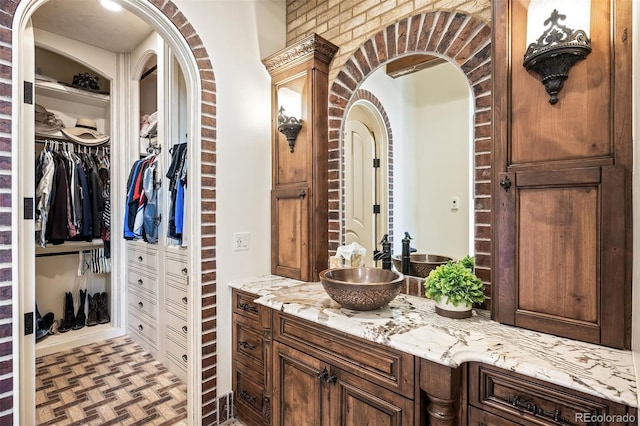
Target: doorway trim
x=173 y=26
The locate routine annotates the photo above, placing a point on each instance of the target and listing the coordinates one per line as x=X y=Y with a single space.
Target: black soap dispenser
x=406 y=253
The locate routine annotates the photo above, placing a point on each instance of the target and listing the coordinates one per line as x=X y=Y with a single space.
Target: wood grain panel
x=289 y=213
x=579 y=125
x=558 y=251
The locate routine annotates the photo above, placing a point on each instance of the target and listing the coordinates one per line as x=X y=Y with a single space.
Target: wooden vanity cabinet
x=500 y=397
x=325 y=377
x=251 y=340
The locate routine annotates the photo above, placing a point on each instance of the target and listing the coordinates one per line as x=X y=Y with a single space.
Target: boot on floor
x=69 y=317
x=92 y=316
x=80 y=316
x=103 y=313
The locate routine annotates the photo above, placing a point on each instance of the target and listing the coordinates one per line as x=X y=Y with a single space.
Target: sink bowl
x=421 y=263
x=361 y=289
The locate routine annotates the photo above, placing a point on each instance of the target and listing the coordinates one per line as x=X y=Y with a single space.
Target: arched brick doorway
x=463 y=40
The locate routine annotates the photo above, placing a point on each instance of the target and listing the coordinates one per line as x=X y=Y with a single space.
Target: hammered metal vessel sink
x=362 y=289
x=421 y=263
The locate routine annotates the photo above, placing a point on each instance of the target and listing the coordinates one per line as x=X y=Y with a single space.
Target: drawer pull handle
x=245 y=395
x=184 y=328
x=247 y=345
x=140 y=282
x=184 y=300
x=140 y=327
x=531 y=407
x=184 y=357
x=248 y=307
x=184 y=271
x=141 y=304
x=140 y=259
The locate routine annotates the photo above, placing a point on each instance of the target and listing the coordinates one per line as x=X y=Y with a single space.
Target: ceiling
x=87 y=21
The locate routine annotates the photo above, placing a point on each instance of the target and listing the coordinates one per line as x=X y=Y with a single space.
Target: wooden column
x=442 y=385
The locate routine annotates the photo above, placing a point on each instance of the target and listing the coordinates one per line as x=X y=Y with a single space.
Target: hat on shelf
x=149 y=127
x=85 y=133
x=46 y=122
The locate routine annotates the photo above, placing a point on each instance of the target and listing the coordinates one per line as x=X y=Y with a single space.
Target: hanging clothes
x=141 y=217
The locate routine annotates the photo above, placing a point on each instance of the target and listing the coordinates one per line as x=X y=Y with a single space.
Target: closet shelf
x=71 y=94
x=69 y=247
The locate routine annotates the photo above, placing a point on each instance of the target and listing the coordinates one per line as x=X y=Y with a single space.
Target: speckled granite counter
x=411 y=325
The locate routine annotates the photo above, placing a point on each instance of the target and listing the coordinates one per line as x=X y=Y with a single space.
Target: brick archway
x=464 y=41
x=207 y=316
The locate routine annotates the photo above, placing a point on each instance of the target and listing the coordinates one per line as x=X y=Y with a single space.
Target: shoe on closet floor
x=92 y=316
x=81 y=317
x=43 y=323
x=69 y=317
x=103 y=313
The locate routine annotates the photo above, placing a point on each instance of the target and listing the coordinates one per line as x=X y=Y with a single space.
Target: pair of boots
x=71 y=321
x=98 y=313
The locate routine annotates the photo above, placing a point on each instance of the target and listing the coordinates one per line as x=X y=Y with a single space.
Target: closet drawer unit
x=141 y=282
x=177 y=268
x=176 y=351
x=140 y=305
x=527 y=400
x=176 y=297
x=139 y=257
x=178 y=325
x=143 y=329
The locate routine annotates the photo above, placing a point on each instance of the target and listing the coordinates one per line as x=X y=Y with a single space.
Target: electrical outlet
x=455 y=203
x=241 y=241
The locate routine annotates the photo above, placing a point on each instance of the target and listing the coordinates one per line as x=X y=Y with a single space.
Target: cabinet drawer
x=177 y=351
x=142 y=282
x=249 y=389
x=527 y=400
x=243 y=304
x=176 y=297
x=178 y=325
x=482 y=418
x=144 y=329
x=248 y=342
x=382 y=365
x=140 y=257
x=177 y=268
x=142 y=306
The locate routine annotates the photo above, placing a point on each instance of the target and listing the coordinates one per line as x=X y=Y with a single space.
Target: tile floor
x=113 y=382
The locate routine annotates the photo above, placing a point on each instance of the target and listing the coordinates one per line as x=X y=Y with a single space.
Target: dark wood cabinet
x=299 y=214
x=561 y=259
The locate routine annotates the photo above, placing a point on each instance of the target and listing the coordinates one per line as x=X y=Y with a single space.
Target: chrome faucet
x=385 y=254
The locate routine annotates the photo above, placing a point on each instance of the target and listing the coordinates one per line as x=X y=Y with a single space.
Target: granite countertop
x=411 y=325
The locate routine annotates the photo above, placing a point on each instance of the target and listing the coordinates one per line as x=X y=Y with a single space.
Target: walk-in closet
x=107 y=254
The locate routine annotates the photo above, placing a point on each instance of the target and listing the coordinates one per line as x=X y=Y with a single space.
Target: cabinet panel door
x=299 y=397
x=563 y=260
x=290 y=233
x=357 y=402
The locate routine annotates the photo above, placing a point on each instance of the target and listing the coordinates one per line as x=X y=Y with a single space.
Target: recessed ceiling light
x=111 y=5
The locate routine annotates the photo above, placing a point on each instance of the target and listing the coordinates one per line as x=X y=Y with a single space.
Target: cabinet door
x=358 y=402
x=561 y=253
x=290 y=233
x=299 y=395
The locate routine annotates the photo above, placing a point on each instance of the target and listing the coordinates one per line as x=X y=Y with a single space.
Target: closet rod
x=148 y=72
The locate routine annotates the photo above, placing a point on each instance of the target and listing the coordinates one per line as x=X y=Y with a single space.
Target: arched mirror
x=408 y=159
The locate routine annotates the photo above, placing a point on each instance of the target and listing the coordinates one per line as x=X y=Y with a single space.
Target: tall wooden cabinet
x=299 y=196
x=561 y=183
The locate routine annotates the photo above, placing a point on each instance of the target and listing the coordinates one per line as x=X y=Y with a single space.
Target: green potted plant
x=455 y=288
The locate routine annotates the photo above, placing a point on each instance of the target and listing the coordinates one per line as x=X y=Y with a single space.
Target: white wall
x=237 y=35
x=430 y=117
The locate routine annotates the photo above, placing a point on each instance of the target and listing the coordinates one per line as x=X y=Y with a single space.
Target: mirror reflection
x=408 y=149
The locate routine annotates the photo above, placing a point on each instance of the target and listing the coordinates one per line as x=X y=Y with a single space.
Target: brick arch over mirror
x=207 y=317
x=464 y=41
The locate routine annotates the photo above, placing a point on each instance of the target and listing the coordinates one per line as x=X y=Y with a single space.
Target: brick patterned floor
x=114 y=382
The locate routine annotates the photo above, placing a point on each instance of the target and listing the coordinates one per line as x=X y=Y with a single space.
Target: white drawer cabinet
x=144 y=329
x=142 y=258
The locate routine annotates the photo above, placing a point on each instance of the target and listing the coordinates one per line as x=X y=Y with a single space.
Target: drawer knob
x=184 y=329
x=247 y=397
x=141 y=304
x=140 y=282
x=184 y=271
x=184 y=357
x=140 y=327
x=247 y=345
x=247 y=307
x=140 y=259
x=184 y=300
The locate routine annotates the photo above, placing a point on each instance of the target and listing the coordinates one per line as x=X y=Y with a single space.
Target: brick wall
x=371 y=33
x=207 y=316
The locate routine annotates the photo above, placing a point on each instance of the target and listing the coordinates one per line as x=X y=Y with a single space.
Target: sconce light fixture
x=289 y=125
x=552 y=54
